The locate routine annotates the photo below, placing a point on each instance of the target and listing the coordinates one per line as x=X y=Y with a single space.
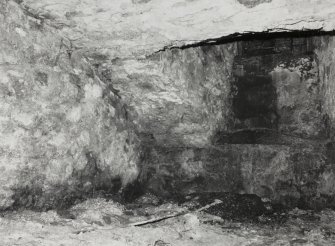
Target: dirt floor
x=99 y=222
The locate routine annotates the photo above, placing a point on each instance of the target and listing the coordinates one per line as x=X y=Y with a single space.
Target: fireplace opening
x=270 y=79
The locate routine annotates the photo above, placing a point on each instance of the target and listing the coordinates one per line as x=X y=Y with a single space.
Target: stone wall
x=273 y=140
x=325 y=55
x=177 y=97
x=63 y=133
x=254 y=116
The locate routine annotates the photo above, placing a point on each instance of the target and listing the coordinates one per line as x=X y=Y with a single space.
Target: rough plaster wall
x=290 y=175
x=325 y=54
x=178 y=97
x=299 y=92
x=325 y=57
x=62 y=133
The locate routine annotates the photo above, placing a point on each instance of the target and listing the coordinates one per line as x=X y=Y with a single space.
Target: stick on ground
x=154 y=220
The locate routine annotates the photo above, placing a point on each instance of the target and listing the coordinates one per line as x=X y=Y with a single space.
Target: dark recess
x=254 y=96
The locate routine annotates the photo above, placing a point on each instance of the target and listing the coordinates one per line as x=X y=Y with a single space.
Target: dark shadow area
x=254 y=103
x=236 y=207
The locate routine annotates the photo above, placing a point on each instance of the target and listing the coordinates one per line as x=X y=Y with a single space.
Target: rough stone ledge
x=135 y=29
